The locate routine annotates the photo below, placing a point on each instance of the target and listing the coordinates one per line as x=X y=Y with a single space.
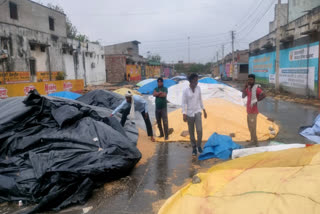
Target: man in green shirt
x=160 y=93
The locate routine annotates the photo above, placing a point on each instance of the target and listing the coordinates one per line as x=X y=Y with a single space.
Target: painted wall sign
x=44 y=88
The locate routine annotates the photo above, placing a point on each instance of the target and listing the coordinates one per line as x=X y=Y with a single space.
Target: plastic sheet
x=272 y=182
x=149 y=87
x=224 y=118
x=66 y=94
x=208 y=91
x=218 y=146
x=55 y=151
x=312 y=133
x=102 y=98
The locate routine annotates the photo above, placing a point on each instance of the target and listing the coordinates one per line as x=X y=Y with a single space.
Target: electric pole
x=278 y=46
x=217 y=56
x=232 y=37
x=222 y=51
x=189 y=49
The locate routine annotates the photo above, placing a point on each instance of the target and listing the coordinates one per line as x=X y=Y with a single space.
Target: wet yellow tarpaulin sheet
x=224 y=118
x=123 y=91
x=286 y=181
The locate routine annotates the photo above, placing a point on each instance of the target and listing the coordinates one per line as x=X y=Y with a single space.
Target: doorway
x=33 y=72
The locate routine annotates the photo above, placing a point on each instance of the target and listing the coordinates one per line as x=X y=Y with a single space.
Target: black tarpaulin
x=53 y=151
x=102 y=98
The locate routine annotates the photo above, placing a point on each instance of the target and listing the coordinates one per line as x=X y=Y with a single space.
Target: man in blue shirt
x=140 y=105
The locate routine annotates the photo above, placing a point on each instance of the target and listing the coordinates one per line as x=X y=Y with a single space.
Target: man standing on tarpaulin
x=254 y=94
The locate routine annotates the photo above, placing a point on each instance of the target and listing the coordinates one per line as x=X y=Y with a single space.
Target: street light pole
x=189 y=49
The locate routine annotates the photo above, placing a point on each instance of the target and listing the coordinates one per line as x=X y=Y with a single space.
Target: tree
x=154 y=58
x=81 y=38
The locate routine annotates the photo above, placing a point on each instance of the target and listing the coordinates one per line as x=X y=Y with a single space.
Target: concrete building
x=84 y=61
x=283 y=16
x=123 y=59
x=299 y=55
x=298 y=8
x=33 y=40
x=223 y=68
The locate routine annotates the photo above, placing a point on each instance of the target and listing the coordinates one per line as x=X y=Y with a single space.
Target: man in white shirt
x=192 y=106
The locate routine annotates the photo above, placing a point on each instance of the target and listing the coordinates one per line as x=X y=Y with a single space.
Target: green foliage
x=193 y=68
x=154 y=58
x=72 y=31
x=61 y=76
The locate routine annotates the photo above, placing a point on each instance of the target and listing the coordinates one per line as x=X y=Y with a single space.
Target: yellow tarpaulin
x=224 y=118
x=123 y=91
x=286 y=181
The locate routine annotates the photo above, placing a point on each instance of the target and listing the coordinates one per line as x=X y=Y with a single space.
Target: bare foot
x=152 y=139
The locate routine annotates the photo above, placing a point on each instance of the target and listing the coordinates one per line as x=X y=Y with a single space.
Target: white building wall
x=87 y=63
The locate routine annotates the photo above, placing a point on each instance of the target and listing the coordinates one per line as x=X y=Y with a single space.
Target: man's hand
x=205 y=114
x=111 y=115
x=185 y=118
x=246 y=86
x=146 y=115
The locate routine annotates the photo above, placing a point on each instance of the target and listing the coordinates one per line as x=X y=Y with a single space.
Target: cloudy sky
x=163 y=27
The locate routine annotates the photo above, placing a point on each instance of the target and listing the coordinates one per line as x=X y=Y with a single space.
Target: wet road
x=171 y=166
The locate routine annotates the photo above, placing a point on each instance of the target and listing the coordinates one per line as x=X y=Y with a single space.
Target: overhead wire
x=259 y=20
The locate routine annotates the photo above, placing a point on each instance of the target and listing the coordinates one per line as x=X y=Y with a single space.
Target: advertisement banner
x=44 y=88
x=16 y=77
x=299 y=66
x=263 y=66
x=134 y=71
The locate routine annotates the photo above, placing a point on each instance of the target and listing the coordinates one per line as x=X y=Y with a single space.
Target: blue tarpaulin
x=149 y=88
x=66 y=94
x=209 y=80
x=218 y=146
x=313 y=133
x=179 y=78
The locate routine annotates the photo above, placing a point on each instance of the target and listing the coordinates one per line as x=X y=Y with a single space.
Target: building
x=298 y=8
x=84 y=61
x=223 y=68
x=283 y=16
x=241 y=61
x=123 y=61
x=33 y=41
x=299 y=53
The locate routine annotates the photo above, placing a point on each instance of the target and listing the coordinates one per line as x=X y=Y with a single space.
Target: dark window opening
x=43 y=48
x=244 y=69
x=33 y=67
x=51 y=23
x=102 y=56
x=91 y=55
x=71 y=52
x=87 y=54
x=13 y=10
x=64 y=51
x=33 y=47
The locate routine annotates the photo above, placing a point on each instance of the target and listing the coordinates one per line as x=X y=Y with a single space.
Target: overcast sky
x=163 y=27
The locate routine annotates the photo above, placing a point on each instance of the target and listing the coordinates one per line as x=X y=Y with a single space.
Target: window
x=43 y=48
x=13 y=10
x=32 y=47
x=51 y=23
